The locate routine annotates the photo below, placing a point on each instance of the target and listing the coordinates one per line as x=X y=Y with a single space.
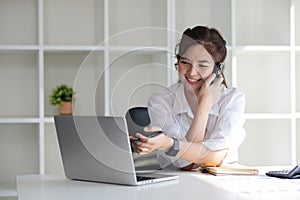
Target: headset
x=217 y=70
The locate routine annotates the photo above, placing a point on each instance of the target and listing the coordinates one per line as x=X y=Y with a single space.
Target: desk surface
x=191 y=185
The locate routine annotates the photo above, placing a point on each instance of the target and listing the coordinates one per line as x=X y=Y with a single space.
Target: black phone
x=217 y=70
x=292 y=173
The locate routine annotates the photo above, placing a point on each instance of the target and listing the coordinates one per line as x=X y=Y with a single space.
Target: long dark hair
x=209 y=38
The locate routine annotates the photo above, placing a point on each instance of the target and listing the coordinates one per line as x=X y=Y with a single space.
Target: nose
x=194 y=70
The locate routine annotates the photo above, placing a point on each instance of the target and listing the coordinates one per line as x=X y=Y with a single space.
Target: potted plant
x=63 y=96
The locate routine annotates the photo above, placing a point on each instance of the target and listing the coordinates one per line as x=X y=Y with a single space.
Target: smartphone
x=217 y=70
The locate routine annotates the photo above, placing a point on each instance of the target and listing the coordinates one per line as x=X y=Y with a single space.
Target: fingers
x=209 y=79
x=152 y=128
x=141 y=137
x=147 y=144
x=142 y=151
x=138 y=143
x=143 y=144
x=132 y=137
x=220 y=80
x=142 y=147
x=222 y=86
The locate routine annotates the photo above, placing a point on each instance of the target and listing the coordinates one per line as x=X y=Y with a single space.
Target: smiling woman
x=202 y=120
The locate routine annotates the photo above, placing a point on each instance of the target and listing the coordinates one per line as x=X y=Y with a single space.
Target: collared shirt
x=224 y=130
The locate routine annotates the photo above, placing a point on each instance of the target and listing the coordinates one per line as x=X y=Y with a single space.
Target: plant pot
x=66 y=108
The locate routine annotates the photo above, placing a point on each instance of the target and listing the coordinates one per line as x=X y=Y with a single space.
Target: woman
x=201 y=119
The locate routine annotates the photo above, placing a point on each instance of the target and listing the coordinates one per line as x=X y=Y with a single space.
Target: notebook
x=97 y=148
x=230 y=170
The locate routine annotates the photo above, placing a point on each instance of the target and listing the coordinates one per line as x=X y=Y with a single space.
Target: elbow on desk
x=199 y=154
x=210 y=157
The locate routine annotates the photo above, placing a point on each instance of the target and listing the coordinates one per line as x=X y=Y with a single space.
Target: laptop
x=97 y=148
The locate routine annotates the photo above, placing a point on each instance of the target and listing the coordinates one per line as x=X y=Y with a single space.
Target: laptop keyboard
x=143 y=178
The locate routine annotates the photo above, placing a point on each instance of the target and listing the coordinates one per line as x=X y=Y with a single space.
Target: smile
x=192 y=81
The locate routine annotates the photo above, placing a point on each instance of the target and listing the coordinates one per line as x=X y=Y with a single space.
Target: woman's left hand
x=211 y=91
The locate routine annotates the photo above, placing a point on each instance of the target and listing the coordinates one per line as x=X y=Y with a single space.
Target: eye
x=184 y=62
x=203 y=66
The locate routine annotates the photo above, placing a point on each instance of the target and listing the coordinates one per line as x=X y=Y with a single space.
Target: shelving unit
x=104 y=48
x=268 y=56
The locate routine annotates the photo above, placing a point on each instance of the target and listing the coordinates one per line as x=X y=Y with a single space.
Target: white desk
x=191 y=185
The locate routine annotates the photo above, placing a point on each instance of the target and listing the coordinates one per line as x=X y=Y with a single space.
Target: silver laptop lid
x=95 y=149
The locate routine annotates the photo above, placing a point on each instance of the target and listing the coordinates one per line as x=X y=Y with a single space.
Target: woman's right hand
x=147 y=145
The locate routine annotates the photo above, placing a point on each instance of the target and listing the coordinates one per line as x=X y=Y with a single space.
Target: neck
x=192 y=99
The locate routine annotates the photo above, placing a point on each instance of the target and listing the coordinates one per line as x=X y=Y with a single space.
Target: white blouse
x=170 y=111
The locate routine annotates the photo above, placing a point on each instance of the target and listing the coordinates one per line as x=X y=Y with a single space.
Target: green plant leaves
x=61 y=93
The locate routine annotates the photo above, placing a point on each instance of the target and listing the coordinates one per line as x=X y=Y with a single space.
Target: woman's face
x=194 y=66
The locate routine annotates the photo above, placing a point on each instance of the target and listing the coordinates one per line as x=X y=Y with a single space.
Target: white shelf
x=141 y=49
x=49 y=120
x=65 y=48
x=264 y=48
x=18 y=120
x=259 y=116
x=8 y=189
x=15 y=120
x=18 y=47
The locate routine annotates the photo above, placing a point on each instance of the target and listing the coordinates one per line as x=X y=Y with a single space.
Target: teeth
x=192 y=80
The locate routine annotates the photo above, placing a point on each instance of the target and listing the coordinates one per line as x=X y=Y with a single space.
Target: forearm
x=199 y=154
x=193 y=152
x=197 y=129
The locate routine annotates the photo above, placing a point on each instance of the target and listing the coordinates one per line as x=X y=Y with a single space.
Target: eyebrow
x=200 y=61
